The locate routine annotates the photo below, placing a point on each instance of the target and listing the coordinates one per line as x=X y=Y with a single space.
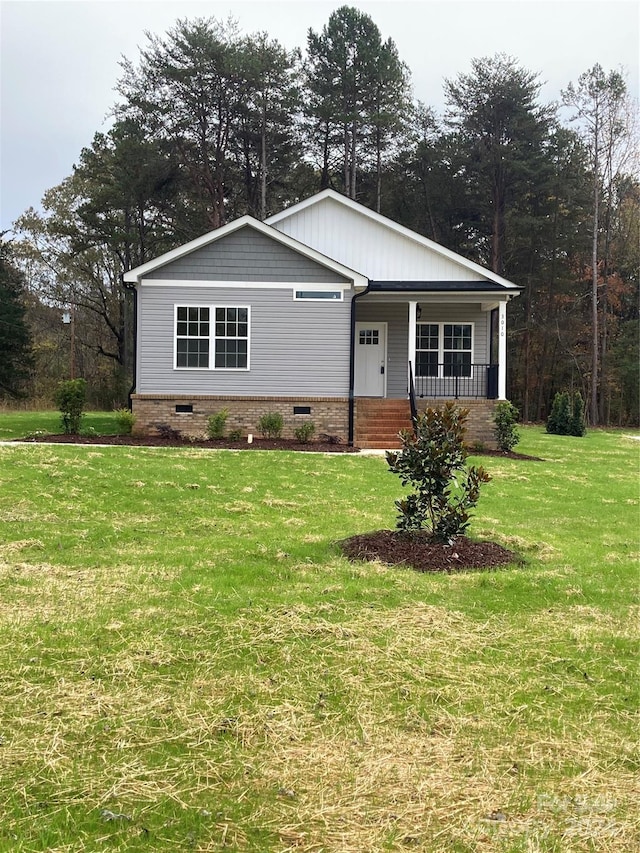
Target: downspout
x=352 y=363
x=134 y=290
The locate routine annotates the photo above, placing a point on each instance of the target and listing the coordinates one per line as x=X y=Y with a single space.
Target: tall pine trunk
x=594 y=284
x=263 y=167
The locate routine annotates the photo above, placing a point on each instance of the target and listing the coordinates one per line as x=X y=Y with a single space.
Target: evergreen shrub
x=305 y=432
x=216 y=423
x=70 y=398
x=271 y=425
x=567 y=414
x=125 y=420
x=505 y=417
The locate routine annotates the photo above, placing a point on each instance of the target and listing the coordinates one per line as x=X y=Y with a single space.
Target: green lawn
x=18 y=424
x=187 y=662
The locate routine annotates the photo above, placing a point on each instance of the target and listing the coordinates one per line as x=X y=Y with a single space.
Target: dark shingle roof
x=437 y=286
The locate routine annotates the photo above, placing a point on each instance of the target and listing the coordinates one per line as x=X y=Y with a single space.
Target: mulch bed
x=210 y=444
x=396 y=547
x=225 y=444
x=505 y=454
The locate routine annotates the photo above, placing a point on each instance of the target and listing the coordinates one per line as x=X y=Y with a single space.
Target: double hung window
x=212 y=337
x=444 y=349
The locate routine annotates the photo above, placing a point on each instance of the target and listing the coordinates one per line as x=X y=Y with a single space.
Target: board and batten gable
x=367 y=245
x=297 y=347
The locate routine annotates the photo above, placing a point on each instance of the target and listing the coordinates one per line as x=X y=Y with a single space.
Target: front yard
x=187 y=662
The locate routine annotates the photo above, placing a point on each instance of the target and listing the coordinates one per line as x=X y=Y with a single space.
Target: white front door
x=371 y=359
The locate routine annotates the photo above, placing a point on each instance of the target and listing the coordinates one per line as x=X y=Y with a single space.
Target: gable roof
x=136 y=274
x=469 y=269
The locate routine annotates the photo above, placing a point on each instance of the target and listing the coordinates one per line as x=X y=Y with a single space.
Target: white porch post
x=413 y=313
x=502 y=350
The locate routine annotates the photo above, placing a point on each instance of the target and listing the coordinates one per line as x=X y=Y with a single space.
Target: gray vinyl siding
x=246 y=255
x=396 y=315
x=296 y=347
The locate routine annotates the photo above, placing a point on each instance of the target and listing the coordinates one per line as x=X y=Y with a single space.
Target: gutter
x=352 y=362
x=133 y=288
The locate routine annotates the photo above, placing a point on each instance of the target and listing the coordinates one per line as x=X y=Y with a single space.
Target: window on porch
x=444 y=349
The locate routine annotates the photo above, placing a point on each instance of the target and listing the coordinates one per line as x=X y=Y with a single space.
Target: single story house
x=325 y=312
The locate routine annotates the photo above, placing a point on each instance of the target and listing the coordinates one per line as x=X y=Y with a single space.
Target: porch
x=423 y=345
x=456 y=350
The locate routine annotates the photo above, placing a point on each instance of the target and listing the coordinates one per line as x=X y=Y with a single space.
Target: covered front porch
x=422 y=349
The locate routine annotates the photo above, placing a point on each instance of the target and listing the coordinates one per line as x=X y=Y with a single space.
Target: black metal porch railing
x=454 y=381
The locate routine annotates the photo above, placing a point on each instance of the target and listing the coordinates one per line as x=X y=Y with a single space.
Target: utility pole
x=69 y=319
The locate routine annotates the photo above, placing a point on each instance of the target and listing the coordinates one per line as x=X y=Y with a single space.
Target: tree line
x=210 y=123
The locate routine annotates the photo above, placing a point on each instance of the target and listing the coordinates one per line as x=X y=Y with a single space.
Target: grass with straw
x=188 y=662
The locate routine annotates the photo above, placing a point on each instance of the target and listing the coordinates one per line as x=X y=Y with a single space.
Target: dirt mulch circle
x=396 y=547
x=209 y=444
x=506 y=454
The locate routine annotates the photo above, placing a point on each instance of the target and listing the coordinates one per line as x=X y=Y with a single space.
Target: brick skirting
x=330 y=415
x=480 y=425
x=378 y=421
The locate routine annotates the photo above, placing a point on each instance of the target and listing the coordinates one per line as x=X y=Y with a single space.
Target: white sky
x=59 y=60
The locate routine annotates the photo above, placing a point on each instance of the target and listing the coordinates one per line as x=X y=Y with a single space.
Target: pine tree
x=15 y=345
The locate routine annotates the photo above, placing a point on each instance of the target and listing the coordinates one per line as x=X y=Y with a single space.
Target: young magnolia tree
x=433 y=461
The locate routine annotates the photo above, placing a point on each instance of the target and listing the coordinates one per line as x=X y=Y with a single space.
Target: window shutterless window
x=444 y=349
x=318 y=294
x=212 y=337
x=457 y=349
x=232 y=338
x=192 y=336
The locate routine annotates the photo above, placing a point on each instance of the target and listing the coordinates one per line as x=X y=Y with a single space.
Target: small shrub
x=271 y=425
x=504 y=418
x=304 y=432
x=478 y=447
x=235 y=435
x=125 y=421
x=330 y=439
x=167 y=431
x=89 y=432
x=433 y=461
x=70 y=398
x=216 y=423
x=567 y=414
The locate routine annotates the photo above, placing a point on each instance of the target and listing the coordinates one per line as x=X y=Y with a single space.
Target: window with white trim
x=212 y=337
x=444 y=349
x=232 y=338
x=336 y=295
x=192 y=336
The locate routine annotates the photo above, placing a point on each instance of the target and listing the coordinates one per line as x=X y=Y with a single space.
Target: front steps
x=378 y=422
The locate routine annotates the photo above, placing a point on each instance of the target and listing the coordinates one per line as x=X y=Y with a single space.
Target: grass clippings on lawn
x=188 y=662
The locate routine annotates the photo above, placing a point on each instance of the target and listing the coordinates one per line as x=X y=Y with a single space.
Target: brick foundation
x=378 y=421
x=329 y=414
x=480 y=425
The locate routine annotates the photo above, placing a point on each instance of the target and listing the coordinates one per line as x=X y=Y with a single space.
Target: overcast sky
x=59 y=60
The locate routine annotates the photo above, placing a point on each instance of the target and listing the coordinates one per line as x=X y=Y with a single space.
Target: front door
x=371 y=359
